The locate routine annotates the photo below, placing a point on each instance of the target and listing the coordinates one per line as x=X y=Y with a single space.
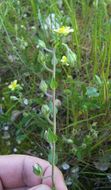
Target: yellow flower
x=65 y=30
x=13 y=86
x=64 y=60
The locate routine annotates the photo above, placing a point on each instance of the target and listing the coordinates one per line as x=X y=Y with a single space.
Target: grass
x=83 y=119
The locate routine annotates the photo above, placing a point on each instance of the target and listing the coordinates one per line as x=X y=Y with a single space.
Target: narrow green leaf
x=50 y=157
x=98 y=79
x=41 y=44
x=53 y=84
x=50 y=136
x=43 y=86
x=54 y=59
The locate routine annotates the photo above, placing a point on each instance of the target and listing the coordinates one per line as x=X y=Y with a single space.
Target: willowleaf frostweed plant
x=50 y=134
x=49 y=111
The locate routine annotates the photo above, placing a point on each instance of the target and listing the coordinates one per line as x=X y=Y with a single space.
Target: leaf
x=50 y=136
x=41 y=43
x=51 y=108
x=21 y=137
x=52 y=22
x=53 y=84
x=98 y=79
x=54 y=59
x=92 y=92
x=50 y=157
x=37 y=169
x=72 y=58
x=45 y=110
x=43 y=86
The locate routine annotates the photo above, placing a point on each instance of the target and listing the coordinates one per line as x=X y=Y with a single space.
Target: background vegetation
x=83 y=119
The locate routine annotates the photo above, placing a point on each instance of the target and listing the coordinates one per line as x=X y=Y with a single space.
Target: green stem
x=47 y=68
x=54 y=121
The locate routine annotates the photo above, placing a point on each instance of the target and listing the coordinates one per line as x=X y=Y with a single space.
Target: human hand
x=16 y=173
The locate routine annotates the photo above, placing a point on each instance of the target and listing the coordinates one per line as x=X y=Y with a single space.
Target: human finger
x=16 y=171
x=38 y=187
x=58 y=178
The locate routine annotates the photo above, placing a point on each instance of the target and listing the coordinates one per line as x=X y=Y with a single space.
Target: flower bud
x=43 y=86
x=37 y=169
x=45 y=110
x=41 y=57
x=57 y=103
x=64 y=60
x=71 y=56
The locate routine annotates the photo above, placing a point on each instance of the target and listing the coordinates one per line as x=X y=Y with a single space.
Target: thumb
x=40 y=187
